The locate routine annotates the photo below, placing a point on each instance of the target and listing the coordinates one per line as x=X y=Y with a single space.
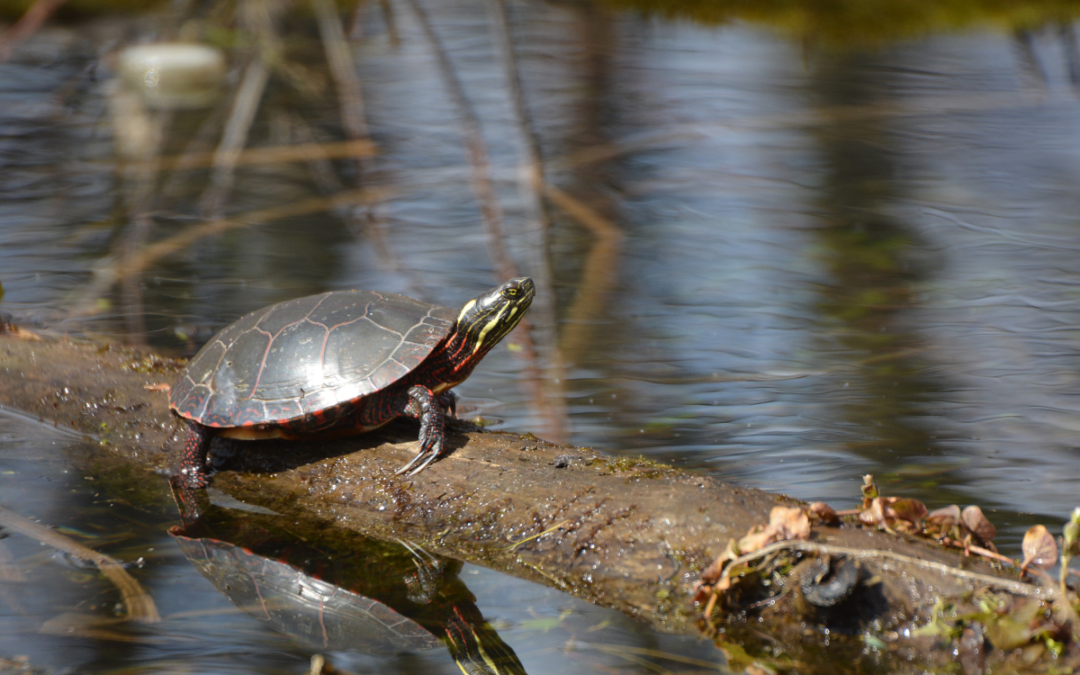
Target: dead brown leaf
x=789 y=523
x=757 y=540
x=944 y=519
x=823 y=512
x=908 y=513
x=1040 y=548
x=977 y=523
x=895 y=513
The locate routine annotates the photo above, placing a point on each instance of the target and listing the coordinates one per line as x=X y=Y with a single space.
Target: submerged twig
x=346 y=79
x=600 y=272
x=259 y=17
x=532 y=188
x=9 y=572
x=28 y=24
x=479 y=161
x=356 y=24
x=490 y=208
x=139 y=134
x=277 y=154
x=623 y=649
x=234 y=139
x=351 y=102
x=138 y=605
x=111 y=274
x=530 y=140
x=391 y=22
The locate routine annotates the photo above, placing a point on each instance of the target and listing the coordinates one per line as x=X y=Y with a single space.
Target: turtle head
x=488 y=317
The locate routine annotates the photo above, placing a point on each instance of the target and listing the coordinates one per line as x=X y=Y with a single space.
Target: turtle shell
x=306 y=356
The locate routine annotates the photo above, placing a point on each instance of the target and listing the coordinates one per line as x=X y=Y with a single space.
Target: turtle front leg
x=193 y=461
x=424 y=406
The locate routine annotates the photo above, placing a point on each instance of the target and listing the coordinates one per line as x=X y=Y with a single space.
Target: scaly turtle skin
x=337 y=364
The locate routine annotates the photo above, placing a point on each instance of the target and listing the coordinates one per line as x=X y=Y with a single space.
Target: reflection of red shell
x=318 y=356
x=318 y=613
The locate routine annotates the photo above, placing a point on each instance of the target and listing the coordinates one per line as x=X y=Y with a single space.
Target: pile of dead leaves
x=967 y=529
x=784 y=523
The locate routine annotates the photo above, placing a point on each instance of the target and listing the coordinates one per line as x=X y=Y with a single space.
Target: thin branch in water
x=391 y=22
x=351 y=102
x=139 y=606
x=654 y=653
x=131 y=294
x=530 y=140
x=356 y=25
x=27 y=25
x=532 y=190
x=196 y=154
x=490 y=208
x=1072 y=56
x=112 y=273
x=319 y=164
x=10 y=574
x=278 y=154
x=346 y=79
x=140 y=133
x=245 y=105
x=259 y=18
x=600 y=273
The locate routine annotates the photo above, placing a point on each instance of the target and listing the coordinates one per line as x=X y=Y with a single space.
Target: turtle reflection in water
x=339 y=590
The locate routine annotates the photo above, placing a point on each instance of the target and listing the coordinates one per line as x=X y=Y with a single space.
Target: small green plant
x=1069 y=547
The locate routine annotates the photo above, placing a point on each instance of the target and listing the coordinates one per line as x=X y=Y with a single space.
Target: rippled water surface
x=782 y=261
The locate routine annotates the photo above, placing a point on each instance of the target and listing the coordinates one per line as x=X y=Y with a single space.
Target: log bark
x=629 y=534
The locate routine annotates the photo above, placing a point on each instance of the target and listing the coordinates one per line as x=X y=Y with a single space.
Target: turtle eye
x=511 y=292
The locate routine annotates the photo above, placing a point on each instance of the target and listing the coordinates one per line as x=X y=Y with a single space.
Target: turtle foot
x=193 y=478
x=190 y=499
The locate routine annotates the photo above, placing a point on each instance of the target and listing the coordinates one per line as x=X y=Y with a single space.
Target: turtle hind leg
x=193 y=462
x=192 y=502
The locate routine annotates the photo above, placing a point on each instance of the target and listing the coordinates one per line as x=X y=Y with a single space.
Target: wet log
x=629 y=534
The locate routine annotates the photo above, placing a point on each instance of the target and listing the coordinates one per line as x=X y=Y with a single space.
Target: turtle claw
x=425 y=459
x=426 y=463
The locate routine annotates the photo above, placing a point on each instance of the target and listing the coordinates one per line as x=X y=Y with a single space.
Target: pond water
x=765 y=252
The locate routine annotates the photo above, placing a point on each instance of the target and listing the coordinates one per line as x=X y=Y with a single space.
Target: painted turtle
x=336 y=364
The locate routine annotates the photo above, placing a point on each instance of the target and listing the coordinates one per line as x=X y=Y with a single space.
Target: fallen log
x=630 y=534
